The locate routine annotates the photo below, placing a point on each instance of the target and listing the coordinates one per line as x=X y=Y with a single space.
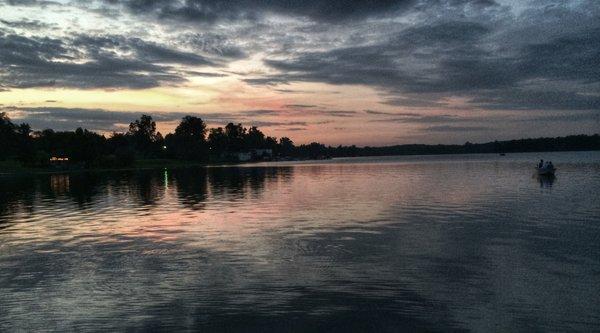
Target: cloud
x=447 y=128
x=414 y=53
x=68 y=119
x=414 y=102
x=300 y=106
x=271 y=80
x=92 y=62
x=398 y=114
x=468 y=57
x=255 y=113
x=204 y=74
x=214 y=44
x=568 y=117
x=331 y=113
x=379 y=113
x=258 y=123
x=32 y=3
x=522 y=99
x=298 y=111
x=415 y=118
x=27 y=24
x=59 y=118
x=211 y=11
x=390 y=63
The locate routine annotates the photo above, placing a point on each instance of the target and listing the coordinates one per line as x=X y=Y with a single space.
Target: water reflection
x=147 y=188
x=380 y=245
x=546 y=181
x=192 y=187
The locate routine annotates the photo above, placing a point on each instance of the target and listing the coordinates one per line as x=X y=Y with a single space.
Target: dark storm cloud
x=443 y=33
x=415 y=53
x=572 y=57
x=31 y=3
x=478 y=59
x=455 y=63
x=154 y=53
x=204 y=74
x=462 y=71
x=569 y=117
x=213 y=44
x=209 y=11
x=91 y=62
x=271 y=80
x=26 y=24
x=148 y=52
x=512 y=99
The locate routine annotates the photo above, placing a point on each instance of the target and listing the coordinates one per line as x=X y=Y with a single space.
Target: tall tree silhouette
x=235 y=137
x=189 y=140
x=254 y=138
x=217 y=140
x=144 y=135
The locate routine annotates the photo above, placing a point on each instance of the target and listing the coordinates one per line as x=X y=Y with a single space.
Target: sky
x=334 y=71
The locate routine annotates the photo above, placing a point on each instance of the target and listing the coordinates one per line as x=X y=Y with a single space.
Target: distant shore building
x=262 y=154
x=251 y=155
x=59 y=162
x=243 y=156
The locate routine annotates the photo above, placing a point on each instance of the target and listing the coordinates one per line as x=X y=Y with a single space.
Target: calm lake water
x=382 y=244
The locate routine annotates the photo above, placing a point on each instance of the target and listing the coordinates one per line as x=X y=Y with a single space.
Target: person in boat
x=541 y=164
x=550 y=165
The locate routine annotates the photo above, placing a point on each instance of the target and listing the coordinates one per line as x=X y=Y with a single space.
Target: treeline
x=567 y=143
x=192 y=140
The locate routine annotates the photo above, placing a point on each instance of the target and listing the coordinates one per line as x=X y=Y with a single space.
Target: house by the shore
x=250 y=155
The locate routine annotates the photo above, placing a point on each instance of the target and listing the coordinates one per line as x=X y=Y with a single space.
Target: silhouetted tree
x=144 y=136
x=286 y=146
x=189 y=140
x=191 y=127
x=8 y=136
x=217 y=141
x=85 y=148
x=254 y=138
x=121 y=152
x=235 y=137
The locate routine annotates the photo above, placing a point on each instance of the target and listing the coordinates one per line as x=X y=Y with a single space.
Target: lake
x=436 y=243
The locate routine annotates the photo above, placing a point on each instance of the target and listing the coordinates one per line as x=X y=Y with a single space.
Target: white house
x=262 y=153
x=243 y=156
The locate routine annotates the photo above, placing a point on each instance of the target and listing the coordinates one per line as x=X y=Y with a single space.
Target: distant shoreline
x=194 y=144
x=156 y=164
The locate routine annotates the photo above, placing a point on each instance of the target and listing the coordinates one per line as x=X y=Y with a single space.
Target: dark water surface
x=382 y=244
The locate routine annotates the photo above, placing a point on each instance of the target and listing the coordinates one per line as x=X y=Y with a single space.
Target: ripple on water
x=424 y=243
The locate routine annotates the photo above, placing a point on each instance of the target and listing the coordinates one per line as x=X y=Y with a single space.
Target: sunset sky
x=334 y=71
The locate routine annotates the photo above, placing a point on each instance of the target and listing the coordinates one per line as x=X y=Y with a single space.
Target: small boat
x=546 y=171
